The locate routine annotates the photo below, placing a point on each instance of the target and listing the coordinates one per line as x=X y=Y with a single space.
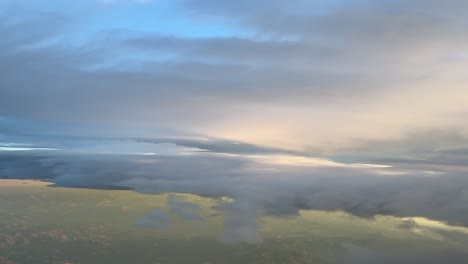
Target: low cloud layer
x=258 y=185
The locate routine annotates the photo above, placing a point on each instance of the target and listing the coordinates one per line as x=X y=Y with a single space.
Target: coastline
x=20 y=182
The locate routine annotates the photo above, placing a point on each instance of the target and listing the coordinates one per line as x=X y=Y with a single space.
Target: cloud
x=361 y=67
x=293 y=107
x=241 y=221
x=257 y=188
x=178 y=207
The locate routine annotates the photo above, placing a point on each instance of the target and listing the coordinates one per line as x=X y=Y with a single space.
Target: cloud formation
x=379 y=71
x=357 y=106
x=257 y=186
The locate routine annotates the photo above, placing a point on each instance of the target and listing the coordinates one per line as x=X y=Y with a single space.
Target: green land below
x=41 y=224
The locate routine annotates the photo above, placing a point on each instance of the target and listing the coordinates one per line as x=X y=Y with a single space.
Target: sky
x=354 y=105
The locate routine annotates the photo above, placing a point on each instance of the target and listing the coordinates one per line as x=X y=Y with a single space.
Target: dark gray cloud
x=430 y=150
x=340 y=18
x=221 y=146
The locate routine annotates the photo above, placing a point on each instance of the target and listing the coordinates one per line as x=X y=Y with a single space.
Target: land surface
x=42 y=224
